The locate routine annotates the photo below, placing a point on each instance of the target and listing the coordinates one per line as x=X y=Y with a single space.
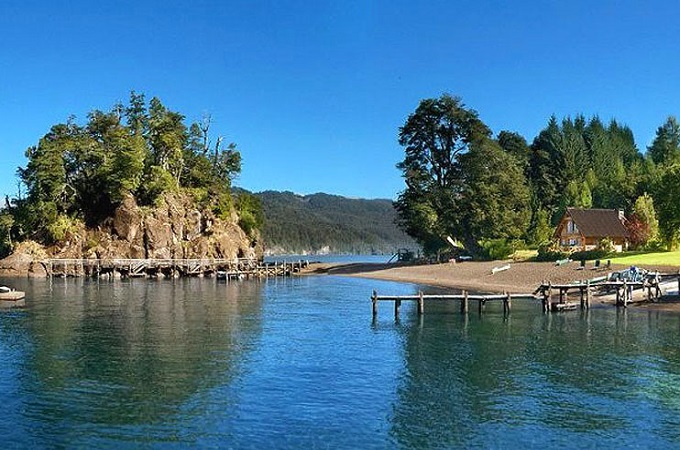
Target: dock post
x=374 y=298
x=421 y=303
x=583 y=296
x=588 y=294
x=397 y=305
x=481 y=306
x=464 y=303
x=506 y=304
x=625 y=294
x=549 y=296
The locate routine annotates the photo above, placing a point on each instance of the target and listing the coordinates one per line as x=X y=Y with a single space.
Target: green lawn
x=650 y=259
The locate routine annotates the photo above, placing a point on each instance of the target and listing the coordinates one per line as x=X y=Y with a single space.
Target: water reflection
x=125 y=353
x=597 y=376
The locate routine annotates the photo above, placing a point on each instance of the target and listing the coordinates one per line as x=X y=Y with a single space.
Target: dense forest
x=490 y=192
x=78 y=174
x=322 y=222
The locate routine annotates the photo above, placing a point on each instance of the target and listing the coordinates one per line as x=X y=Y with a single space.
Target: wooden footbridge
x=553 y=297
x=170 y=268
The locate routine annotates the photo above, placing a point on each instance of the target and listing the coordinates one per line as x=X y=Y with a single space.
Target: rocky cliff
x=175 y=228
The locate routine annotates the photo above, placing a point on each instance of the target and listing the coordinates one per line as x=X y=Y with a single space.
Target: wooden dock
x=170 y=268
x=553 y=297
x=465 y=298
x=623 y=291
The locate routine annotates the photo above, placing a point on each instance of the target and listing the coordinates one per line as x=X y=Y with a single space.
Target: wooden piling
x=588 y=294
x=397 y=306
x=507 y=302
x=421 y=303
x=464 y=303
x=375 y=304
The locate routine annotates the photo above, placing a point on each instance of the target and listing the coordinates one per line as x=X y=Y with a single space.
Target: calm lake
x=299 y=363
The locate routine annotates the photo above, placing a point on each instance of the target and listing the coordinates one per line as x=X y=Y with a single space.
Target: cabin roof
x=598 y=223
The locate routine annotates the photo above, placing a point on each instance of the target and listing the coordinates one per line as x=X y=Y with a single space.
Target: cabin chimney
x=622 y=216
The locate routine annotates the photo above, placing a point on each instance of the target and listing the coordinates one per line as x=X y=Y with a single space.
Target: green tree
x=459 y=182
x=644 y=224
x=494 y=203
x=665 y=148
x=668 y=206
x=514 y=144
x=434 y=137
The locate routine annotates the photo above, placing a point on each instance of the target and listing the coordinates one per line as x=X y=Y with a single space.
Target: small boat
x=11 y=298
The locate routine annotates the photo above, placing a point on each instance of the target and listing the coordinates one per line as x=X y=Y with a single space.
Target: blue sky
x=313 y=92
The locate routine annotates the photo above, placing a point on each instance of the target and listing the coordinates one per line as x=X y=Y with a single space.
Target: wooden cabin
x=583 y=229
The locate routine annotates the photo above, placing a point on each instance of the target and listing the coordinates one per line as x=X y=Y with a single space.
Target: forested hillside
x=329 y=223
x=491 y=191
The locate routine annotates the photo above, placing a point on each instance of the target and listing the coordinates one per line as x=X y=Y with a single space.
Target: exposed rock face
x=25 y=261
x=175 y=229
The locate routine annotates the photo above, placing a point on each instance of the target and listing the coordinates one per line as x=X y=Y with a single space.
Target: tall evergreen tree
x=665 y=148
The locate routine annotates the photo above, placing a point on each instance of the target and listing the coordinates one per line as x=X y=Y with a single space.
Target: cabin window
x=571 y=227
x=573 y=242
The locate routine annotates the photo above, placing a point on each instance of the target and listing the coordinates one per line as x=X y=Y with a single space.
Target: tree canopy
x=82 y=172
x=457 y=184
x=462 y=183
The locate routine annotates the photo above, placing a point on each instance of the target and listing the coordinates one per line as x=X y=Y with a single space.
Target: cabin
x=583 y=229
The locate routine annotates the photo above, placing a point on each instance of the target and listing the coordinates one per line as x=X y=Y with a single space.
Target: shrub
x=589 y=255
x=497 y=248
x=550 y=251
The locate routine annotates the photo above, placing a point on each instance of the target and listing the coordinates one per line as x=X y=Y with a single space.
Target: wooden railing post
x=374 y=298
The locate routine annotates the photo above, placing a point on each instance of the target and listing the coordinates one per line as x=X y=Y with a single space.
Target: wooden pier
x=465 y=298
x=170 y=268
x=553 y=297
x=622 y=290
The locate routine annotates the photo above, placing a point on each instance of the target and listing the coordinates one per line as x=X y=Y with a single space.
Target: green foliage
x=494 y=249
x=6 y=224
x=297 y=224
x=459 y=182
x=251 y=217
x=665 y=148
x=666 y=200
x=539 y=228
x=83 y=172
x=579 y=163
x=62 y=229
x=590 y=255
x=550 y=251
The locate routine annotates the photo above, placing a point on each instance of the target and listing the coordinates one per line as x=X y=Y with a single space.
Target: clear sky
x=314 y=92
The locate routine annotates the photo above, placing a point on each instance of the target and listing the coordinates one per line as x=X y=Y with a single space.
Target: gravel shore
x=520 y=278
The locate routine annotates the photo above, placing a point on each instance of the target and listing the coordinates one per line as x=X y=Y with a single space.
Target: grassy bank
x=650 y=259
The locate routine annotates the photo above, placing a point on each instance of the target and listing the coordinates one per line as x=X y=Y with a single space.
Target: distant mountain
x=322 y=223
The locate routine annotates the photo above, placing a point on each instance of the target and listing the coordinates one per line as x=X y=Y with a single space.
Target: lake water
x=299 y=363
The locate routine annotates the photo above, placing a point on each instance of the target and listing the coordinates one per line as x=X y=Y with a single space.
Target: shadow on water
x=580 y=379
x=100 y=355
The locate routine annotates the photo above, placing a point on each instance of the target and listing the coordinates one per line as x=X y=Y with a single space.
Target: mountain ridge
x=329 y=223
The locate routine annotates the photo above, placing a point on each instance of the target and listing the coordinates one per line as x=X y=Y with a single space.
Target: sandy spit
x=520 y=278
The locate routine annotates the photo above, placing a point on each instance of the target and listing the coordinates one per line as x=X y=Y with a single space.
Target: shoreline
x=520 y=278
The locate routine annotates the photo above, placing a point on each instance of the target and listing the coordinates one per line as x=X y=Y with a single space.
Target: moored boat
x=10 y=296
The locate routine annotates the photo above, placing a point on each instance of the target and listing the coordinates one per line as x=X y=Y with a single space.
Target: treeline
x=322 y=222
x=463 y=182
x=78 y=174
